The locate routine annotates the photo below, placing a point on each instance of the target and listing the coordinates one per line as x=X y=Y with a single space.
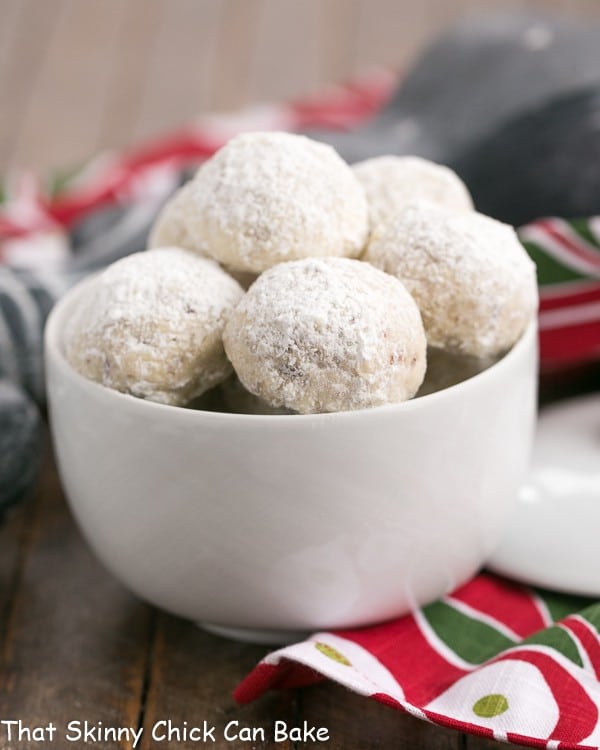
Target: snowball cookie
x=327 y=334
x=151 y=325
x=392 y=182
x=265 y=198
x=471 y=278
x=170 y=226
x=170 y=230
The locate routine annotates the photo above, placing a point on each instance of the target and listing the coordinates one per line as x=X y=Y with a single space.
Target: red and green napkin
x=493 y=658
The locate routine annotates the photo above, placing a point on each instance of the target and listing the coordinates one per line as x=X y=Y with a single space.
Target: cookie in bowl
x=151 y=325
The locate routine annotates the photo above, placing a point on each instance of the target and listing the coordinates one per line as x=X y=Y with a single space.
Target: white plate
x=553 y=535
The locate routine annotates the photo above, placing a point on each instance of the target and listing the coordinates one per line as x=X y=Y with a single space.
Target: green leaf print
x=550 y=270
x=582 y=227
x=561 y=605
x=473 y=640
x=559 y=640
x=592 y=615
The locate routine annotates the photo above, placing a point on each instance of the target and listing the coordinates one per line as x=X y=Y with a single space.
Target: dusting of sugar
x=152 y=326
x=327 y=334
x=265 y=198
x=393 y=182
x=170 y=228
x=472 y=279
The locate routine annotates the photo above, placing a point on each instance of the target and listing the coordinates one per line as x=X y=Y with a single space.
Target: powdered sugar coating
x=393 y=182
x=472 y=279
x=265 y=198
x=152 y=324
x=327 y=334
x=170 y=227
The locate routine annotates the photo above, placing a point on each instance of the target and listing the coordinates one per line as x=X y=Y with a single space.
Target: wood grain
x=28 y=27
x=14 y=542
x=237 y=50
x=77 y=77
x=355 y=721
x=76 y=644
x=338 y=39
x=192 y=678
x=135 y=55
x=483 y=743
x=182 y=69
x=71 y=84
x=284 y=65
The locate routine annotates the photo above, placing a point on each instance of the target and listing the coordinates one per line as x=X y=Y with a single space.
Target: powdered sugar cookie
x=327 y=334
x=170 y=228
x=265 y=198
x=393 y=182
x=152 y=324
x=470 y=276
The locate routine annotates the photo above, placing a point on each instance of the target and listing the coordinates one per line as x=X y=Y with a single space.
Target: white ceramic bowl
x=254 y=524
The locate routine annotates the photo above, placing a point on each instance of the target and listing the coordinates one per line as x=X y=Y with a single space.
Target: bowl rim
x=53 y=349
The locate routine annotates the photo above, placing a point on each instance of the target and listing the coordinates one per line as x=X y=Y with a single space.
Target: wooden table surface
x=77 y=76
